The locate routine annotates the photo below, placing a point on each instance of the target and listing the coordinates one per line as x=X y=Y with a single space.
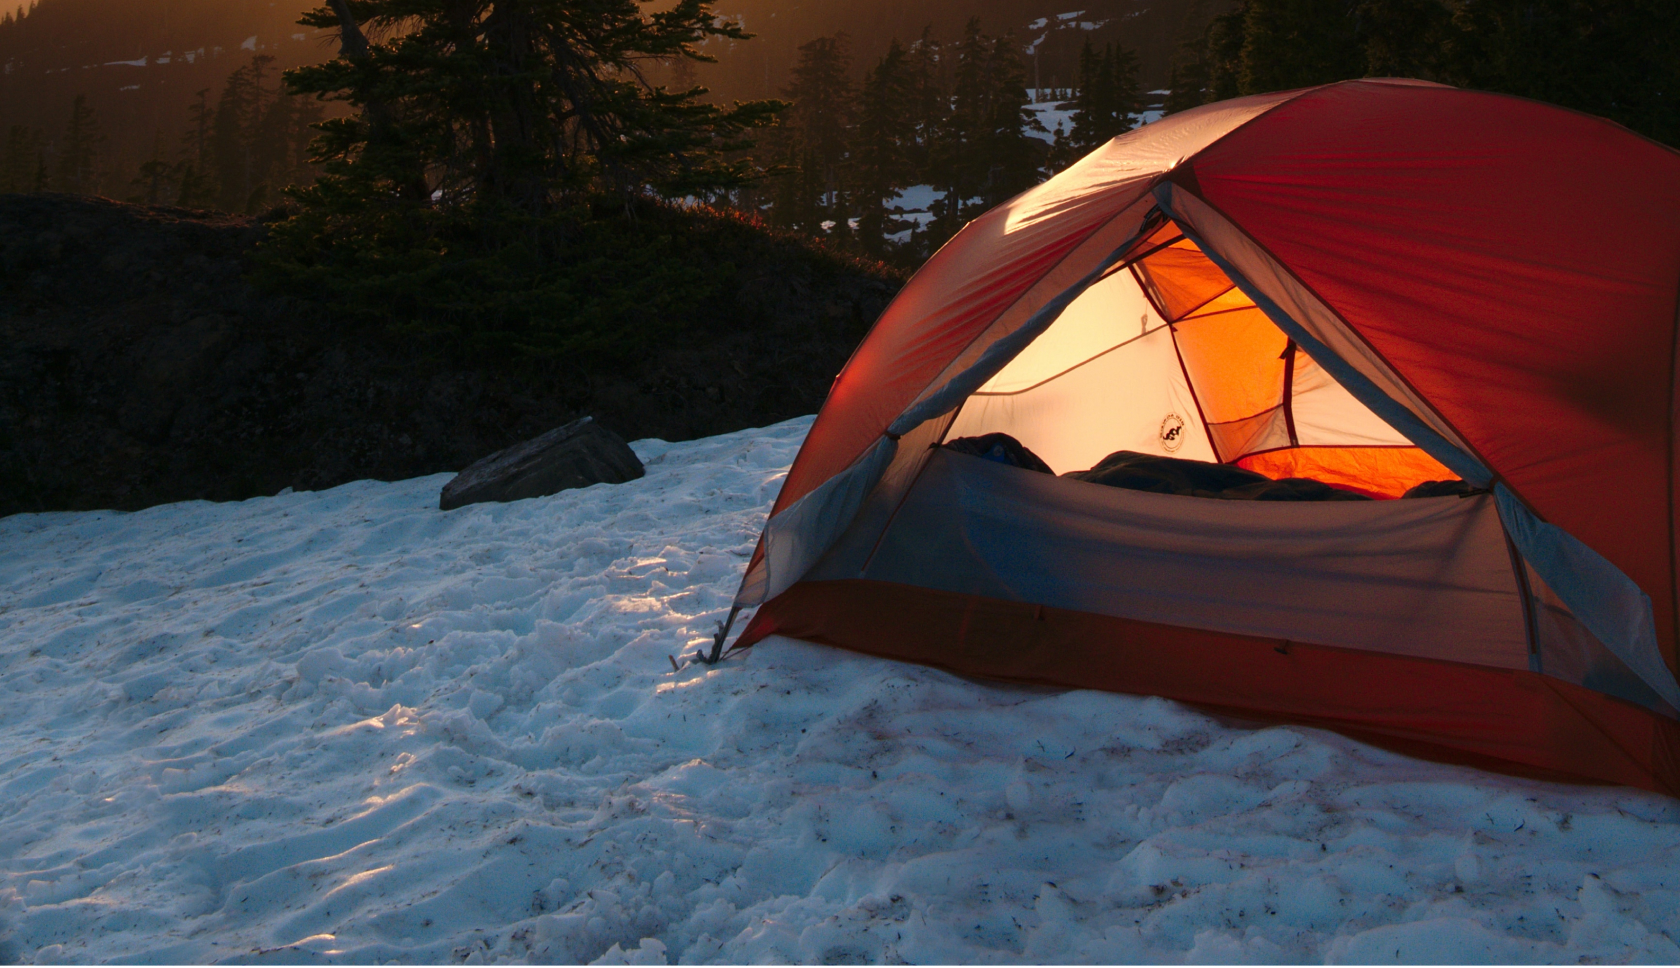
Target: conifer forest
x=520 y=177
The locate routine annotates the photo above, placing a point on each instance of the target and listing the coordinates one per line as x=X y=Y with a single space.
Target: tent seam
x=950 y=420
x=1673 y=566
x=1531 y=623
x=852 y=357
x=1275 y=450
x=1191 y=161
x=1195 y=397
x=1057 y=376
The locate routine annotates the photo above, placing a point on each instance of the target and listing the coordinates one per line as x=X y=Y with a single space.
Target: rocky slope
x=138 y=366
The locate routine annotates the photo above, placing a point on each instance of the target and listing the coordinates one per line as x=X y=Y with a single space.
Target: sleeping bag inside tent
x=1351 y=407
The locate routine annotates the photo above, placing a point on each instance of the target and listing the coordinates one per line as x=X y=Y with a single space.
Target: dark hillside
x=137 y=366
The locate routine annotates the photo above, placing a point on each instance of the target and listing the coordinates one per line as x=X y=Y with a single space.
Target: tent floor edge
x=1503 y=720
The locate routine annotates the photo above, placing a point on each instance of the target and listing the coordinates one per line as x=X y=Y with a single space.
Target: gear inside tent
x=1333 y=406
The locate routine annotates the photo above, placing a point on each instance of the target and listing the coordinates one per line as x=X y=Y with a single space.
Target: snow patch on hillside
x=345 y=726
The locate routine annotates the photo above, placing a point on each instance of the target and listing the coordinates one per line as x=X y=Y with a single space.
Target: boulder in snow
x=577 y=455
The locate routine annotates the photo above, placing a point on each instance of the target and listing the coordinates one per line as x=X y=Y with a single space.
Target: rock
x=577 y=455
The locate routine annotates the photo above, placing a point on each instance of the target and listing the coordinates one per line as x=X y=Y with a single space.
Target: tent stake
x=717 y=640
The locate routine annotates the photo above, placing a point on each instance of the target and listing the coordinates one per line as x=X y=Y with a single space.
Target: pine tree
x=194 y=187
x=1187 y=86
x=684 y=75
x=522 y=104
x=1084 y=112
x=271 y=139
x=157 y=179
x=1298 y=43
x=1405 y=38
x=886 y=140
x=1614 y=58
x=814 y=137
x=1012 y=156
x=954 y=166
x=1609 y=57
x=234 y=133
x=196 y=141
x=78 y=155
x=928 y=107
x=984 y=153
x=1107 y=102
x=240 y=153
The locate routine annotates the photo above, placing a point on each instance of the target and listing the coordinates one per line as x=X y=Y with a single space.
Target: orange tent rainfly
x=1321 y=301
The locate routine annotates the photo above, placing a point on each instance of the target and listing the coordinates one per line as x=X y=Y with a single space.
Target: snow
x=1051 y=115
x=913 y=205
x=916 y=198
x=346 y=726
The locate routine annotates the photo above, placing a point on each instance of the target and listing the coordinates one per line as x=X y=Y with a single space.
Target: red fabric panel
x=1512 y=720
x=1516 y=263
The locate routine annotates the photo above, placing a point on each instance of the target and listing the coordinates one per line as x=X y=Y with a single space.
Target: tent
x=1370 y=284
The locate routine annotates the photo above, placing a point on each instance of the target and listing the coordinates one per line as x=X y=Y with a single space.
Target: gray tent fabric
x=1429 y=578
x=1604 y=600
x=797 y=537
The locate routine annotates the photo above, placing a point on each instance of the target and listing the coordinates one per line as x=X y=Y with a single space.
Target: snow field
x=345 y=726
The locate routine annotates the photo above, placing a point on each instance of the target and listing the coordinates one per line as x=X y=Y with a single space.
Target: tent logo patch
x=1172 y=432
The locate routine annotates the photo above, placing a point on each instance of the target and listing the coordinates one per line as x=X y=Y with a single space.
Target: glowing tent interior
x=1370 y=284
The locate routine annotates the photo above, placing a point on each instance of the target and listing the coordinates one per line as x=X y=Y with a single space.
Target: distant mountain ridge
x=140 y=63
x=1056 y=29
